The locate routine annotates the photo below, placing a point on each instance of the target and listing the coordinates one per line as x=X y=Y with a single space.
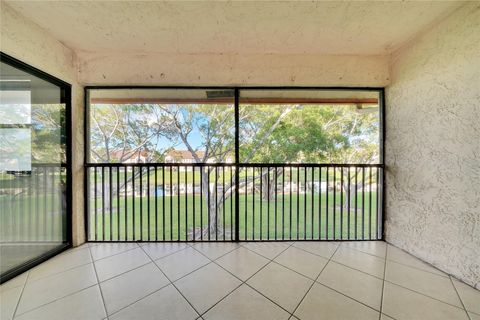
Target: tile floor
x=272 y=280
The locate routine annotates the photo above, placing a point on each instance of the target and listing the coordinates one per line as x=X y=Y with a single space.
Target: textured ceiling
x=234 y=27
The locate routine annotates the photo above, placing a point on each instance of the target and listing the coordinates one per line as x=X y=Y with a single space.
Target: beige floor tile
x=324 y=303
x=166 y=303
x=83 y=305
x=376 y=248
x=470 y=296
x=133 y=285
x=355 y=284
x=424 y=282
x=206 y=286
x=60 y=263
x=8 y=301
x=246 y=304
x=404 y=304
x=385 y=317
x=400 y=256
x=242 y=262
x=301 y=261
x=215 y=250
x=360 y=261
x=114 y=265
x=160 y=250
x=18 y=281
x=48 y=289
x=281 y=285
x=105 y=250
x=267 y=249
x=181 y=263
x=324 y=249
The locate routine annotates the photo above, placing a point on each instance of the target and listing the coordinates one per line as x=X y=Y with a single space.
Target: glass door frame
x=65 y=98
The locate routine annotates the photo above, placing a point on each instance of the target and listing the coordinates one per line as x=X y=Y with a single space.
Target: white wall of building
x=433 y=146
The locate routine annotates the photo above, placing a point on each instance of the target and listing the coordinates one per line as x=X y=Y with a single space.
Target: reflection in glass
x=32 y=167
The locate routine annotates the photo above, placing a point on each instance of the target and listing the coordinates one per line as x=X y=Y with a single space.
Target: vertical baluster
x=319 y=203
x=276 y=200
x=186 y=203
x=231 y=203
x=253 y=204
x=156 y=202
x=356 y=203
x=283 y=203
x=312 y=203
x=261 y=202
x=334 y=203
x=223 y=200
x=118 y=203
x=148 y=203
x=298 y=202
x=194 y=169
x=201 y=203
x=246 y=203
x=171 y=203
x=348 y=202
x=178 y=203
x=326 y=204
x=305 y=203
x=208 y=201
x=164 y=194
x=370 y=204
x=341 y=203
x=363 y=203
x=268 y=203
x=291 y=203
x=216 y=202
x=125 y=186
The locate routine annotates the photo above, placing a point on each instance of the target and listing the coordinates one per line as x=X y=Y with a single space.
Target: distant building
x=129 y=156
x=185 y=156
x=182 y=156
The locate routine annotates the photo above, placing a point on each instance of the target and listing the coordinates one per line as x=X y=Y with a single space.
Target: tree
x=268 y=133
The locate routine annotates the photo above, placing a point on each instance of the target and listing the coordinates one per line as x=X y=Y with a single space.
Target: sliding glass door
x=34 y=173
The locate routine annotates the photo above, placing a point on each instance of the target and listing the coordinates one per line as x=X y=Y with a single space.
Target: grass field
x=290 y=218
x=35 y=216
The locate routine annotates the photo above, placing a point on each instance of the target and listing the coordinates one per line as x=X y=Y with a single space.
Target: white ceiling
x=337 y=27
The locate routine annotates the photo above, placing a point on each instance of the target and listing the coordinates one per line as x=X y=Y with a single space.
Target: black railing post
x=237 y=161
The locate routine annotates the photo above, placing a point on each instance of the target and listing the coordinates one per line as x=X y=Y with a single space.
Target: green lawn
x=32 y=217
x=298 y=220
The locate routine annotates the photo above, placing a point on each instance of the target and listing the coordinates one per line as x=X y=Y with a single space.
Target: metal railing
x=209 y=202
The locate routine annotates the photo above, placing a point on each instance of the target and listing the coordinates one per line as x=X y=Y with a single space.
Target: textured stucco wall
x=29 y=43
x=227 y=69
x=433 y=146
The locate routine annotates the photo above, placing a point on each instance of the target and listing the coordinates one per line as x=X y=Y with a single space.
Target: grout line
x=80 y=265
x=198 y=313
x=242 y=282
x=383 y=283
x=143 y=265
x=420 y=293
x=460 y=298
x=350 y=267
x=21 y=295
x=445 y=275
x=303 y=298
x=356 y=249
x=113 y=255
x=98 y=283
x=56 y=299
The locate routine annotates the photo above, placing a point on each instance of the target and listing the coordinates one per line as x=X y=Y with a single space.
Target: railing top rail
x=249 y=165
